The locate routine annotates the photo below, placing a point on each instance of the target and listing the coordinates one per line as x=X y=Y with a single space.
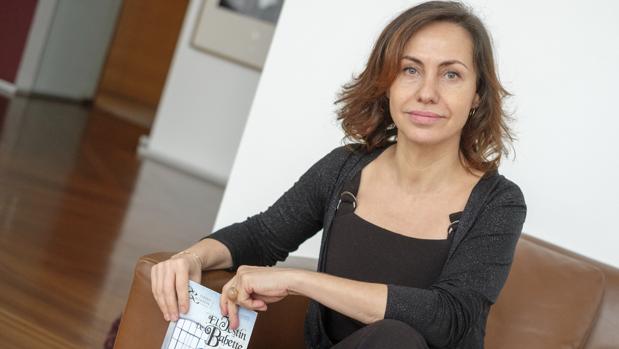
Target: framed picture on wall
x=237 y=30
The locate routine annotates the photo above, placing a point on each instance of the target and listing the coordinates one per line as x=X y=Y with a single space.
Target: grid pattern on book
x=187 y=335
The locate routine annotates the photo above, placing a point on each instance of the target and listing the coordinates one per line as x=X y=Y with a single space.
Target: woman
x=419 y=226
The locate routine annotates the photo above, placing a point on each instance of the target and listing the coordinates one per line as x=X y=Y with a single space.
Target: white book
x=204 y=327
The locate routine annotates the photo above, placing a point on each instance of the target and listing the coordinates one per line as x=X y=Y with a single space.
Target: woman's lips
x=424 y=117
x=425 y=113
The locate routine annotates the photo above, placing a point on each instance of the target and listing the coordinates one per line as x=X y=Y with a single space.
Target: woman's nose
x=427 y=92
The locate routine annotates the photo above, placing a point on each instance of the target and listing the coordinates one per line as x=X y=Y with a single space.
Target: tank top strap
x=454 y=219
x=348 y=195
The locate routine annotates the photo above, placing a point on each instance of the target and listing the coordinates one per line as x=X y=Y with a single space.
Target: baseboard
x=7 y=88
x=144 y=151
x=126 y=109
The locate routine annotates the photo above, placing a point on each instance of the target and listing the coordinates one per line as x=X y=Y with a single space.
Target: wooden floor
x=77 y=208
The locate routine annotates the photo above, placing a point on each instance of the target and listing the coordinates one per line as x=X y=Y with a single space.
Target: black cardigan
x=450 y=314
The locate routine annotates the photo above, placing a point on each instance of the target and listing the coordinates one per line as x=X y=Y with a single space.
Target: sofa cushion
x=550 y=300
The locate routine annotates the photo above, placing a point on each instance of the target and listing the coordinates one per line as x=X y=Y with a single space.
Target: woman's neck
x=419 y=169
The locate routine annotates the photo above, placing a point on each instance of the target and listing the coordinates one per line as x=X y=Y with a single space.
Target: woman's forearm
x=362 y=301
x=212 y=253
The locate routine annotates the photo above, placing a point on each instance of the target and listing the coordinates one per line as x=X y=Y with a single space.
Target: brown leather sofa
x=553 y=298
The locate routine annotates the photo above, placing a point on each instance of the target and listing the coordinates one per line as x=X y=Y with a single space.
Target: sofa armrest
x=142 y=324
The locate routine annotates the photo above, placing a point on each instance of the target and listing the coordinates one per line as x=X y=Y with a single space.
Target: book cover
x=204 y=327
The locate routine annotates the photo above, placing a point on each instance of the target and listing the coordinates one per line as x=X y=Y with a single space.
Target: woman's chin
x=424 y=140
x=427 y=137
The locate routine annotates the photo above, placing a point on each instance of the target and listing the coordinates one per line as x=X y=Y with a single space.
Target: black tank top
x=360 y=250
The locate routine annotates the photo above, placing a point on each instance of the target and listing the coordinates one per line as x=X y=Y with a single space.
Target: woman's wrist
x=212 y=254
x=192 y=255
x=297 y=281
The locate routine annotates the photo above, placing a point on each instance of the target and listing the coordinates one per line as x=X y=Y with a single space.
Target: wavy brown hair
x=364 y=107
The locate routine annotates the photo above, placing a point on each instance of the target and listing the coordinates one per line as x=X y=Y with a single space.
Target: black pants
x=387 y=333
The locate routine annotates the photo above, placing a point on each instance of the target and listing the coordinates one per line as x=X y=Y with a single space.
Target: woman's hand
x=170 y=282
x=253 y=288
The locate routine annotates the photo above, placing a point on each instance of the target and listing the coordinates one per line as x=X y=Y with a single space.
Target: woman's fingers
x=233 y=315
x=223 y=301
x=155 y=278
x=182 y=290
x=255 y=303
x=252 y=288
x=170 y=283
x=169 y=293
x=230 y=295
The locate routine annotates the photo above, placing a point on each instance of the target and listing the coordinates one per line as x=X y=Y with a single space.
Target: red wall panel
x=15 y=20
x=4 y=103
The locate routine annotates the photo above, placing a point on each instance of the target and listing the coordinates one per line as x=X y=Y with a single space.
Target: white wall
x=562 y=70
x=203 y=108
x=559 y=60
x=75 y=49
x=33 y=51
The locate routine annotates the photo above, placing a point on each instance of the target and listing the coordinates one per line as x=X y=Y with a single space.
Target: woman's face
x=432 y=95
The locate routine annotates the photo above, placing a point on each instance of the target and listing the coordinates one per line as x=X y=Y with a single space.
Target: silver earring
x=391 y=126
x=472 y=112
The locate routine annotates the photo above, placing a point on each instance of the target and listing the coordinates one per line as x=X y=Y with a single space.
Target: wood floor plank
x=77 y=208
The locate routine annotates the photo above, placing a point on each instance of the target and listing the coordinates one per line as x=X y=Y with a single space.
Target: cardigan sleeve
x=472 y=278
x=269 y=236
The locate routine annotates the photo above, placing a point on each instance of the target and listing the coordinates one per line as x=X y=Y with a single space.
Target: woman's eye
x=452 y=75
x=410 y=70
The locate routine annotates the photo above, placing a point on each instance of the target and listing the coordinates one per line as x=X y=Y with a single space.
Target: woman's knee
x=396 y=328
x=392 y=325
x=386 y=333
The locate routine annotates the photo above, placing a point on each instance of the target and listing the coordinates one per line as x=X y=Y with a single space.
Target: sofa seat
x=553 y=298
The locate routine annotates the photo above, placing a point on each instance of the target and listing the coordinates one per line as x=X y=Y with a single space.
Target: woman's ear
x=476 y=101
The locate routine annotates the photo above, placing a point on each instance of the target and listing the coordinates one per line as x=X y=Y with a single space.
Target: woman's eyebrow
x=451 y=61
